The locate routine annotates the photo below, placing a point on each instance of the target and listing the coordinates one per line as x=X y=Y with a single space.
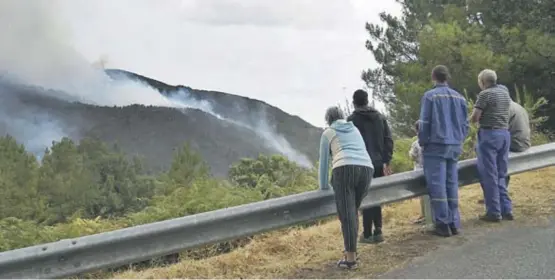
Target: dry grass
x=311 y=252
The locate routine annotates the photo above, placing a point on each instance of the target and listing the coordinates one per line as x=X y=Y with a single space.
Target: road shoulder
x=512 y=250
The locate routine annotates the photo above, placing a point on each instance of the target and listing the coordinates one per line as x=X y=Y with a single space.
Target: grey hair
x=333 y=113
x=488 y=77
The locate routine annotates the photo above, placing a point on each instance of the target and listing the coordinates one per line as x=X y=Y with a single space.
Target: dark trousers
x=511 y=150
x=373 y=216
x=350 y=185
x=508 y=176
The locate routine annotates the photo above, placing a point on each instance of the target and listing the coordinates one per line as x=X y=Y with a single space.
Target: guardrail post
x=426 y=207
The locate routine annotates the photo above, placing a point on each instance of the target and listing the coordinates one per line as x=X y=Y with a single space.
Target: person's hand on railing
x=387 y=170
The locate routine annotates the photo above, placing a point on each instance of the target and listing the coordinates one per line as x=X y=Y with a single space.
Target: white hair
x=487 y=77
x=333 y=113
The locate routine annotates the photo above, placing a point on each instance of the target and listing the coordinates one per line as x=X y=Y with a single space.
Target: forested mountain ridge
x=154 y=133
x=300 y=134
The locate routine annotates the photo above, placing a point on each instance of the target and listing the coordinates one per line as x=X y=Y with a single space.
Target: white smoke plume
x=36 y=49
x=35 y=132
x=261 y=127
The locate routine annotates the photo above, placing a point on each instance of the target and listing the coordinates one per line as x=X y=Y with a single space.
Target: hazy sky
x=299 y=55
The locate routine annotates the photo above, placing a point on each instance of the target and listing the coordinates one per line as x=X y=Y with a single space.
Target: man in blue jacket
x=443 y=129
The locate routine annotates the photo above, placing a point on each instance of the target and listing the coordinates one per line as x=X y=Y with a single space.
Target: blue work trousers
x=442 y=179
x=493 y=160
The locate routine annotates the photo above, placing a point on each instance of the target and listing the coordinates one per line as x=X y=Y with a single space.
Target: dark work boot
x=454 y=229
x=441 y=230
x=507 y=217
x=377 y=237
x=366 y=240
x=490 y=218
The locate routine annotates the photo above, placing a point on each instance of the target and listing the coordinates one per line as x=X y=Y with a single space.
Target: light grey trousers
x=426 y=206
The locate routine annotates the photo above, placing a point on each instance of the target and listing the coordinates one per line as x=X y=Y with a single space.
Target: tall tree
x=90 y=180
x=467 y=36
x=394 y=42
x=18 y=181
x=64 y=182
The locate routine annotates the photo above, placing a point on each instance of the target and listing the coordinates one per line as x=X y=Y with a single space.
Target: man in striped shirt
x=519 y=128
x=491 y=111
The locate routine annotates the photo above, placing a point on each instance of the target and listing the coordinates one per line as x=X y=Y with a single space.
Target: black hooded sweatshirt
x=376 y=134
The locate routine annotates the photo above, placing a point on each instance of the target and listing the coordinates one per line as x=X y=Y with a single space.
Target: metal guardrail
x=111 y=249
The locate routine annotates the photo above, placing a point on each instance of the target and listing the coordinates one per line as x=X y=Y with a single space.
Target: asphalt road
x=513 y=251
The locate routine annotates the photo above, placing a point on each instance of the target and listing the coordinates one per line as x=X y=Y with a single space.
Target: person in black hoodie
x=379 y=144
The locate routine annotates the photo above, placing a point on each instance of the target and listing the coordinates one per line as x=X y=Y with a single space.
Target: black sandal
x=347 y=265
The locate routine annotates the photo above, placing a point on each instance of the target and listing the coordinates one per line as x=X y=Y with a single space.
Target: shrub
x=276 y=170
x=400 y=161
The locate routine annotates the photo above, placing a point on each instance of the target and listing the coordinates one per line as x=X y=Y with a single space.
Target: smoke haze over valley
x=49 y=90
